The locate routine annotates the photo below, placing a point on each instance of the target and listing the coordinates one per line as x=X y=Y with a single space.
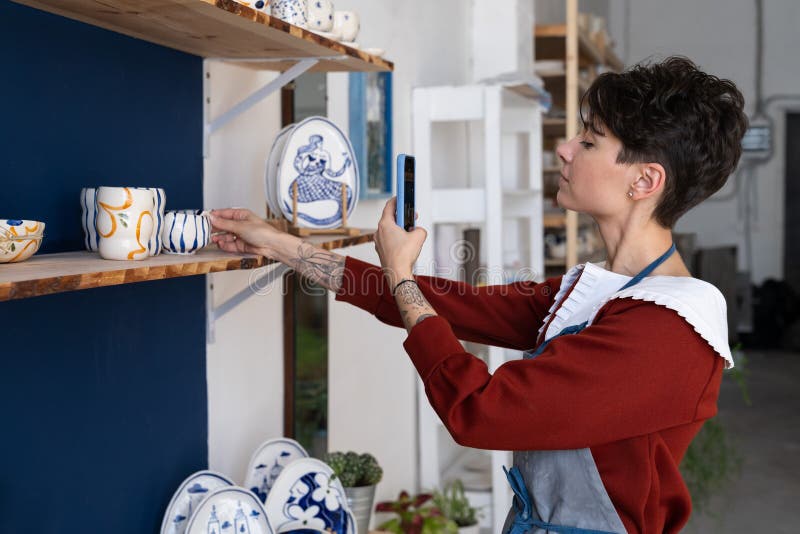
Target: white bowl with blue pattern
x=185 y=231
x=229 y=510
x=307 y=496
x=187 y=498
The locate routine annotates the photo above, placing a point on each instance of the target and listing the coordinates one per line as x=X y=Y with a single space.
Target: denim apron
x=561 y=491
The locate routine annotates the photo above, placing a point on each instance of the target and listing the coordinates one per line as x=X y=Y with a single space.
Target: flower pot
x=360 y=501
x=472 y=529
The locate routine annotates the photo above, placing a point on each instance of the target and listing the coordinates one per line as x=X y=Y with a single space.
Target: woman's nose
x=564 y=152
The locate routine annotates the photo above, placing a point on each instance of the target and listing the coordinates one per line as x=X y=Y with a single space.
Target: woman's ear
x=651 y=179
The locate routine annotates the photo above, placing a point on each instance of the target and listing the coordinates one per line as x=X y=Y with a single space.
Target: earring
x=630 y=194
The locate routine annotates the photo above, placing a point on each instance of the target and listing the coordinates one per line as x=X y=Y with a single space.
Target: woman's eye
x=586 y=144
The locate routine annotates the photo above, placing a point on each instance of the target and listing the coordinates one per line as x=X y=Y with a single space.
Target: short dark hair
x=672 y=113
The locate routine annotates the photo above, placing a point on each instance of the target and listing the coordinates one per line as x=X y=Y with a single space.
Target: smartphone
x=405 y=192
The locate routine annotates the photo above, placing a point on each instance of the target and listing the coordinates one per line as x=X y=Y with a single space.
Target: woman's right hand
x=243 y=231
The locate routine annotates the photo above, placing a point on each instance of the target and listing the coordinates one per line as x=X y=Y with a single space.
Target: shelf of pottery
x=282 y=490
x=568 y=58
x=311 y=182
x=479 y=192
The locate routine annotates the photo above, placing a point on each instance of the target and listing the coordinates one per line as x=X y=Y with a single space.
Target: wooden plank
x=550 y=45
x=72 y=271
x=214 y=29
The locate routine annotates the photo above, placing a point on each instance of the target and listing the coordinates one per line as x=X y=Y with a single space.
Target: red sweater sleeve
x=638 y=369
x=502 y=315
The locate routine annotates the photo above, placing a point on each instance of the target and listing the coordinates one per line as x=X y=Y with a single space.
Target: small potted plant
x=359 y=474
x=454 y=504
x=415 y=515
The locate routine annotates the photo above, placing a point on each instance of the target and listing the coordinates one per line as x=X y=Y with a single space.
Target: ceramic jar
x=88 y=214
x=320 y=15
x=292 y=11
x=185 y=231
x=346 y=23
x=124 y=222
x=159 y=201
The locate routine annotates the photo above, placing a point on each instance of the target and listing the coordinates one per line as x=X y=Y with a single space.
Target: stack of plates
x=318 y=156
x=301 y=494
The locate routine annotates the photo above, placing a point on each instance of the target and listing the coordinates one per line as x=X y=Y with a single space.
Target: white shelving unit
x=503 y=188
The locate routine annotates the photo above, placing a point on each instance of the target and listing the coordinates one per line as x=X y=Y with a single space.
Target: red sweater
x=634 y=387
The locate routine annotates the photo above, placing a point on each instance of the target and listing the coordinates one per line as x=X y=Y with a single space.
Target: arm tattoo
x=410 y=294
x=413 y=305
x=320 y=266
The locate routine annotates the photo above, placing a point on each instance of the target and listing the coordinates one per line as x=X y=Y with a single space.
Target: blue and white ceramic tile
x=270 y=183
x=188 y=497
x=306 y=496
x=318 y=157
x=229 y=511
x=267 y=463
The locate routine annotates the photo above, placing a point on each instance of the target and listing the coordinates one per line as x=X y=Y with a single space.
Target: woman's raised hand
x=241 y=230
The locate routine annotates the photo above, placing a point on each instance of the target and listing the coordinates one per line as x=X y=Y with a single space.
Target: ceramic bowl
x=19 y=239
x=320 y=15
x=346 y=23
x=185 y=231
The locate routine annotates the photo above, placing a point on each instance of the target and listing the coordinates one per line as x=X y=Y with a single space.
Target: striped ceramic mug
x=160 y=202
x=185 y=231
x=91 y=240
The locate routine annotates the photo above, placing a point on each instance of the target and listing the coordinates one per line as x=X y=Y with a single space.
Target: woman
x=624 y=359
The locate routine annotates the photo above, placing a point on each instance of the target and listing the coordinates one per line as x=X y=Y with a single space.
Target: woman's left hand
x=397 y=249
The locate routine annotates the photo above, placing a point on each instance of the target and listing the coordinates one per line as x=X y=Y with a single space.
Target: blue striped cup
x=185 y=231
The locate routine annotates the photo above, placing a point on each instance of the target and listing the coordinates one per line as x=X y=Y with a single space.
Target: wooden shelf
x=550 y=45
x=221 y=29
x=556 y=82
x=71 y=271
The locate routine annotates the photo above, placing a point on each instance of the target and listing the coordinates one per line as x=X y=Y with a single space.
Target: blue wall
x=102 y=392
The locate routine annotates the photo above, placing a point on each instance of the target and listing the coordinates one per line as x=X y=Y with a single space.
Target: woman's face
x=591 y=179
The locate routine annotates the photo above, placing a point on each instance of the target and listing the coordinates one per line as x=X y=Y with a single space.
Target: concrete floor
x=766 y=496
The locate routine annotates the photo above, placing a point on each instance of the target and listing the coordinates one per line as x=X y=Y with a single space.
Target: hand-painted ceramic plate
x=304 y=497
x=267 y=463
x=188 y=497
x=270 y=182
x=319 y=157
x=229 y=511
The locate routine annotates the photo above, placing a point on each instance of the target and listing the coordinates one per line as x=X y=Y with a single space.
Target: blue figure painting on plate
x=316 y=181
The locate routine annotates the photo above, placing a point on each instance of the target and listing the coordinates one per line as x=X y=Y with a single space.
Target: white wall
x=720 y=36
x=245 y=361
x=372 y=396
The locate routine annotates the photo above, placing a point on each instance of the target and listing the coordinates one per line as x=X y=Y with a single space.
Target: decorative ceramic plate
x=320 y=158
x=267 y=463
x=229 y=511
x=304 y=497
x=270 y=182
x=188 y=497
